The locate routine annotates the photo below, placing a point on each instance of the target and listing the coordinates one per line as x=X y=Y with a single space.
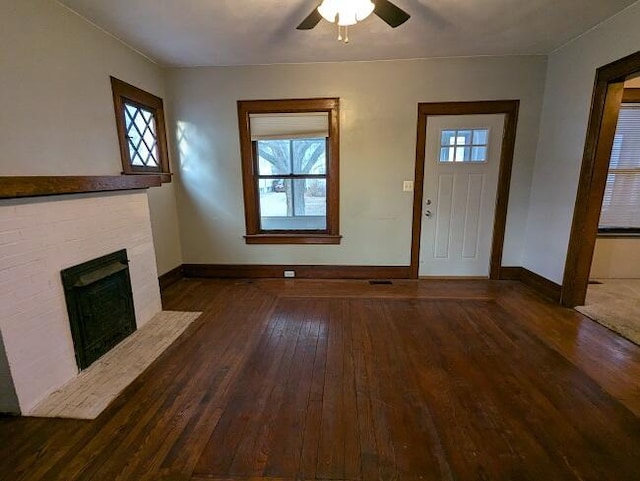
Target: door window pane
x=462 y=154
x=466 y=145
x=463 y=137
x=448 y=137
x=480 y=137
x=478 y=154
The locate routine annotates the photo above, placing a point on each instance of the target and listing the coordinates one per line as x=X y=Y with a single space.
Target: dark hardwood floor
x=342 y=380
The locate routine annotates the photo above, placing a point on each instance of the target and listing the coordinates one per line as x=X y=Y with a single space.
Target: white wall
x=616 y=258
x=377 y=152
x=565 y=111
x=57 y=111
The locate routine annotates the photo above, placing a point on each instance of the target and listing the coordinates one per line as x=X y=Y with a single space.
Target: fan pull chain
x=344 y=39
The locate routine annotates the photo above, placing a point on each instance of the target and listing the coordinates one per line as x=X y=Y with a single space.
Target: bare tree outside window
x=299 y=158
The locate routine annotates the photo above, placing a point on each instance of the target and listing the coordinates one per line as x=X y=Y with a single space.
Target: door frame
x=603 y=119
x=428 y=109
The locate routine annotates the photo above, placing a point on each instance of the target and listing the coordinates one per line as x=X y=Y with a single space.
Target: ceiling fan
x=349 y=12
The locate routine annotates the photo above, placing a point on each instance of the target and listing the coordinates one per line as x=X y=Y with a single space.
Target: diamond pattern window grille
x=141 y=131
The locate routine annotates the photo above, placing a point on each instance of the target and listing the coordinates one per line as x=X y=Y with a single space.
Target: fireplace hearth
x=100 y=305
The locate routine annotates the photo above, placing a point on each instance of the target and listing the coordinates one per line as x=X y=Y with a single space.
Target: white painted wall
x=563 y=126
x=616 y=258
x=57 y=111
x=377 y=152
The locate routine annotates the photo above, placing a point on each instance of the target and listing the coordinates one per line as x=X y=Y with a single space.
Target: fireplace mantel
x=35 y=186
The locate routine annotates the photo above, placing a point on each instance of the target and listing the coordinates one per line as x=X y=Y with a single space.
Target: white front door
x=461 y=167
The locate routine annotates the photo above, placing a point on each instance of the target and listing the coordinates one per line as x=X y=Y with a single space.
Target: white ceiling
x=246 y=32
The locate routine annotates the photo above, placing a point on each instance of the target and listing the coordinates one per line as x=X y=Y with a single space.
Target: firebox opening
x=100 y=305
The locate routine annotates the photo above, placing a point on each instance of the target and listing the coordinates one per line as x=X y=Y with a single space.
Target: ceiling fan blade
x=311 y=21
x=391 y=14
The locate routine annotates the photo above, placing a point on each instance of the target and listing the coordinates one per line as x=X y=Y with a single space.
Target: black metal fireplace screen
x=100 y=305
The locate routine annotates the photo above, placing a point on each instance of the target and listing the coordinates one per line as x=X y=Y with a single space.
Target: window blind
x=621 y=203
x=305 y=125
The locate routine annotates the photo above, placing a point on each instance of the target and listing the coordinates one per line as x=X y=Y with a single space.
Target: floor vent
x=379 y=283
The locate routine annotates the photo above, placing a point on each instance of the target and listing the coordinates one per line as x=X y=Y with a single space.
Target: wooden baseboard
x=301 y=271
x=540 y=284
x=169 y=278
x=511 y=273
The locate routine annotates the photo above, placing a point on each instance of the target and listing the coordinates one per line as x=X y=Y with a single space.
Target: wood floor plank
x=376 y=375
x=261 y=433
x=249 y=396
x=313 y=418
x=352 y=460
x=289 y=423
x=571 y=395
x=485 y=408
x=362 y=354
x=341 y=380
x=613 y=361
x=331 y=443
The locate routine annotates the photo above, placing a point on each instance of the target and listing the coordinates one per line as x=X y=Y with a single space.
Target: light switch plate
x=407 y=186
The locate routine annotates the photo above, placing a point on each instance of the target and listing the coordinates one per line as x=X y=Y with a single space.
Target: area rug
x=615 y=303
x=88 y=394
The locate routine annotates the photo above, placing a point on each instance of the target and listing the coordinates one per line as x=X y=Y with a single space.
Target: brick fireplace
x=39 y=238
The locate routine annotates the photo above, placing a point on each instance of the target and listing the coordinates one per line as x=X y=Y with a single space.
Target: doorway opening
x=426 y=111
x=603 y=120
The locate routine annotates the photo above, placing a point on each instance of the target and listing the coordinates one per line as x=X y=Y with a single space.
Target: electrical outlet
x=289 y=273
x=407 y=186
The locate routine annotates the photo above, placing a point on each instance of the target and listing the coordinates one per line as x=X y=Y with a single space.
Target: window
x=468 y=145
x=620 y=212
x=290 y=170
x=141 y=130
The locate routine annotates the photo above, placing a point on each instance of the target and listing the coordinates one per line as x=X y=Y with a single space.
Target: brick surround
x=39 y=238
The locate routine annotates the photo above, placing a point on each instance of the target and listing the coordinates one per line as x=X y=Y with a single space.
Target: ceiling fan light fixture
x=345 y=12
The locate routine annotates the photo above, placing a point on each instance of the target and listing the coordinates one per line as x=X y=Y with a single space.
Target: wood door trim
x=510 y=109
x=605 y=104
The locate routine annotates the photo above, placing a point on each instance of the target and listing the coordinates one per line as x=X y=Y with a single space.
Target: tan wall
x=57 y=112
x=633 y=83
x=377 y=152
x=616 y=258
